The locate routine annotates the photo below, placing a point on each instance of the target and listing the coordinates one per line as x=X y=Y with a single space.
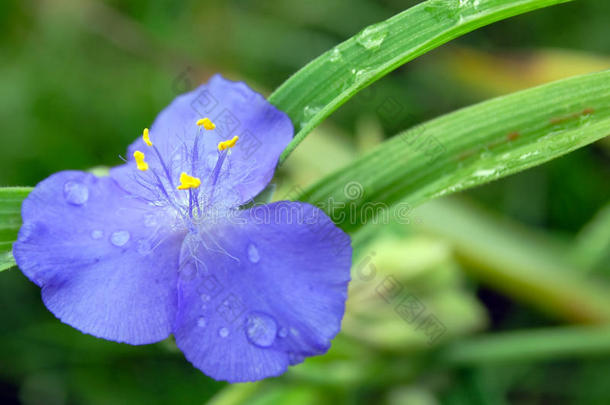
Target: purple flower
x=162 y=246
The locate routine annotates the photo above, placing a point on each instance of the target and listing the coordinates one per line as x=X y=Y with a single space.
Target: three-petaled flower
x=165 y=244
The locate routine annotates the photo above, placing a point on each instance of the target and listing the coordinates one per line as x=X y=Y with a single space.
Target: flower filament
x=188 y=162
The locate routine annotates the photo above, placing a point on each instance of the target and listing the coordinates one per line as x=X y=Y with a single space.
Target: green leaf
x=530 y=346
x=10 y=221
x=591 y=249
x=522 y=264
x=327 y=82
x=467 y=148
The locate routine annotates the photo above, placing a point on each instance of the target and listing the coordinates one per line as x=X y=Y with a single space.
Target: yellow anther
x=207 y=123
x=187 y=182
x=146 y=137
x=139 y=157
x=228 y=144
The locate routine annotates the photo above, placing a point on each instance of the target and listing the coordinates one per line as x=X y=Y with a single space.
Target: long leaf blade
x=327 y=82
x=10 y=221
x=469 y=147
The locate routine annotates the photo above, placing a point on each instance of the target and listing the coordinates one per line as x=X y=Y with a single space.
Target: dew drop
x=295 y=358
x=119 y=238
x=443 y=10
x=211 y=160
x=28 y=230
x=335 y=55
x=201 y=322
x=205 y=297
x=484 y=173
x=360 y=75
x=187 y=273
x=261 y=329
x=253 y=254
x=150 y=220
x=144 y=247
x=97 y=234
x=372 y=37
x=223 y=332
x=308 y=113
x=283 y=333
x=76 y=193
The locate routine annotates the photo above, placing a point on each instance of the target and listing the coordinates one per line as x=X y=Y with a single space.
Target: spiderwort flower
x=164 y=244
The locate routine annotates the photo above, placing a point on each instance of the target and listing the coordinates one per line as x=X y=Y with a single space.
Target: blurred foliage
x=81 y=79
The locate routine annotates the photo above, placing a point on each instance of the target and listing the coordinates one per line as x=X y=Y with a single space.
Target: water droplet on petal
x=372 y=37
x=205 y=297
x=283 y=333
x=211 y=160
x=119 y=238
x=295 y=358
x=223 y=332
x=253 y=254
x=97 y=234
x=261 y=329
x=187 y=273
x=201 y=322
x=144 y=247
x=27 y=230
x=294 y=332
x=76 y=193
x=150 y=220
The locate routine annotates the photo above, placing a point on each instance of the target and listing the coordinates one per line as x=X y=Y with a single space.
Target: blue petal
x=265 y=289
x=107 y=262
x=263 y=130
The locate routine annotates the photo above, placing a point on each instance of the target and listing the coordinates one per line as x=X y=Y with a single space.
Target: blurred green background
x=527 y=257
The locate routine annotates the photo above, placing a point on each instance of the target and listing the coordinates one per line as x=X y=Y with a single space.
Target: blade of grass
x=467 y=148
x=592 y=247
x=10 y=221
x=516 y=261
x=327 y=82
x=529 y=346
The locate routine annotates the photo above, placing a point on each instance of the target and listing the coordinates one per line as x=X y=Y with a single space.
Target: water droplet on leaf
x=308 y=113
x=372 y=37
x=335 y=55
x=261 y=329
x=76 y=193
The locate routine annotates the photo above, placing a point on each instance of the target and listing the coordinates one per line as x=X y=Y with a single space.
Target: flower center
x=193 y=199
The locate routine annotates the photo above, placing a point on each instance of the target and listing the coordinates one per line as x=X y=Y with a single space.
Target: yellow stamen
x=139 y=157
x=227 y=144
x=207 y=123
x=146 y=137
x=187 y=182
